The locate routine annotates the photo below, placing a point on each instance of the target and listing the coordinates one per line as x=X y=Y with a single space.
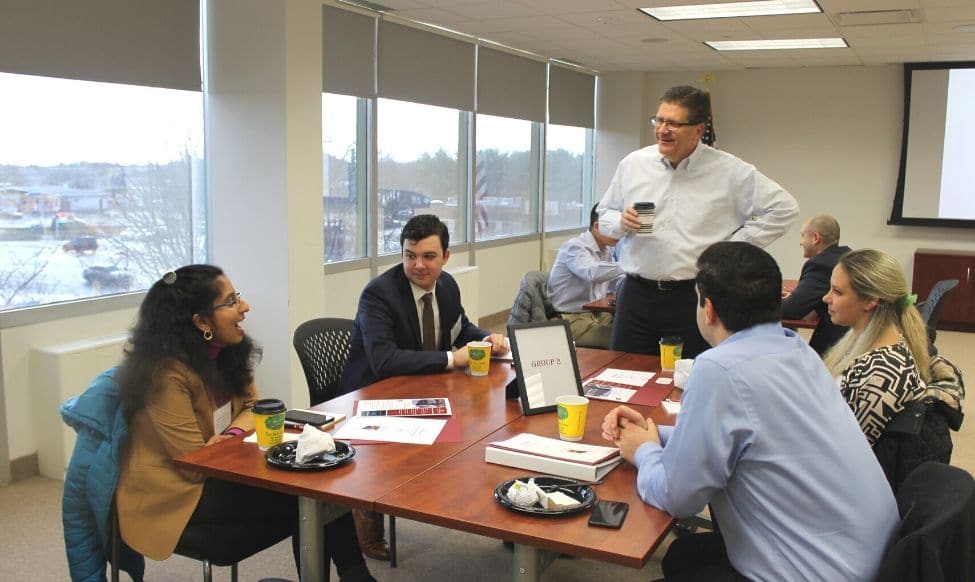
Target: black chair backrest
x=933 y=305
x=936 y=535
x=323 y=348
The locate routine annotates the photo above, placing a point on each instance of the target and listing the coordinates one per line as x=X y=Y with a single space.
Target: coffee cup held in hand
x=646 y=212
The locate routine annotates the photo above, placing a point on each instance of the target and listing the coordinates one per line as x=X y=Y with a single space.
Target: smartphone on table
x=609 y=514
x=299 y=418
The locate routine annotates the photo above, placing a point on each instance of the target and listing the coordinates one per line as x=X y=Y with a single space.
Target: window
x=506 y=178
x=422 y=168
x=101 y=187
x=344 y=136
x=568 y=177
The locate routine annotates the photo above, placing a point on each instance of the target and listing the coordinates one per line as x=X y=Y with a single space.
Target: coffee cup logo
x=477 y=353
x=275 y=421
x=563 y=413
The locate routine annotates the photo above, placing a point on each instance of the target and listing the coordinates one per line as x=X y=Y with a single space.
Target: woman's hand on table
x=218 y=438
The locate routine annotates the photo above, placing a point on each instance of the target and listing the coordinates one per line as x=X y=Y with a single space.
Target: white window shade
x=349 y=53
x=154 y=43
x=571 y=97
x=423 y=67
x=510 y=86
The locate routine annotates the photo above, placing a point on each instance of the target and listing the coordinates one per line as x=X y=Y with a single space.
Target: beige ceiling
x=610 y=35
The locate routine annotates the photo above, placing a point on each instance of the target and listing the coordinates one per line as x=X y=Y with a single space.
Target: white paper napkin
x=313 y=442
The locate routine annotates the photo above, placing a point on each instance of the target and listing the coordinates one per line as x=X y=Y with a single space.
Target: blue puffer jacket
x=89 y=486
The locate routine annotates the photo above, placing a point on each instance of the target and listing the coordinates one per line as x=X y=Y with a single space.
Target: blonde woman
x=882 y=362
x=883 y=366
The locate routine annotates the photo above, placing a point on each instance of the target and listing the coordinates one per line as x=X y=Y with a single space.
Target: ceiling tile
x=496 y=9
x=788 y=22
x=437 y=16
x=956 y=14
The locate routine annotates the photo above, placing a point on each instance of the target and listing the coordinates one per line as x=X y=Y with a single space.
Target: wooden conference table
x=449 y=483
x=810 y=321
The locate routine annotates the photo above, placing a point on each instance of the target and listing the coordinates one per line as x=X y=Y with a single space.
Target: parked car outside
x=107 y=277
x=81 y=244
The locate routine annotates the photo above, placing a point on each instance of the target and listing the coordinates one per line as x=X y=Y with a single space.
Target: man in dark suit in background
x=388 y=336
x=821 y=245
x=410 y=321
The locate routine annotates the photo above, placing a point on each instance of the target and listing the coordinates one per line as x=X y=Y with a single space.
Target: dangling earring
x=208 y=334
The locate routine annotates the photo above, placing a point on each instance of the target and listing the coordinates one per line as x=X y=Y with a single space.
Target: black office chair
x=234 y=545
x=936 y=536
x=932 y=306
x=323 y=348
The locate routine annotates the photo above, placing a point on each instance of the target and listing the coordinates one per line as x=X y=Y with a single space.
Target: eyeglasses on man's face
x=234 y=301
x=670 y=123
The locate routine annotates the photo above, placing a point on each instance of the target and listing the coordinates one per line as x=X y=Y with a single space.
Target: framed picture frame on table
x=545 y=364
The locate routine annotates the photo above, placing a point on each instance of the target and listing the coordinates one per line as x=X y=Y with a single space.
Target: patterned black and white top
x=879 y=384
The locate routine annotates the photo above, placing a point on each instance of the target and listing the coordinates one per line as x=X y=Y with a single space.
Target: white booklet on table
x=554 y=456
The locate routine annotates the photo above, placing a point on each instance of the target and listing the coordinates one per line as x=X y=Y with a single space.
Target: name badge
x=221 y=418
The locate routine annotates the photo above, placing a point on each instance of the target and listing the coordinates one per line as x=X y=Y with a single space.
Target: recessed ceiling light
x=781 y=44
x=655 y=40
x=733 y=9
x=964 y=28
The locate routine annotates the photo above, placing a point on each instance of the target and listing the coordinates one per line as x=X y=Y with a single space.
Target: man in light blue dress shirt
x=765 y=438
x=584 y=271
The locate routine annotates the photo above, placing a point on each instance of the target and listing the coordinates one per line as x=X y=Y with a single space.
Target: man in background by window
x=700 y=196
x=410 y=321
x=585 y=270
x=820 y=241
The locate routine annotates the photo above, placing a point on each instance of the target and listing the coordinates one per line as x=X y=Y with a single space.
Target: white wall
x=622 y=111
x=17 y=343
x=264 y=120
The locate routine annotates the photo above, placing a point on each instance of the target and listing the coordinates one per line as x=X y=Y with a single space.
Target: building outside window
x=102 y=187
x=344 y=164
x=505 y=177
x=422 y=168
x=568 y=177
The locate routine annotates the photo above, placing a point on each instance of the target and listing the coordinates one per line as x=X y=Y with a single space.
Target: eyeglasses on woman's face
x=234 y=301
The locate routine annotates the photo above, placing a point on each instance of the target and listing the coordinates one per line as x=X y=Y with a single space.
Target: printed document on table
x=594 y=389
x=404 y=407
x=628 y=377
x=392 y=429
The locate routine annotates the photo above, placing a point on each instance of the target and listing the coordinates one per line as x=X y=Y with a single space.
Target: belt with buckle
x=663 y=285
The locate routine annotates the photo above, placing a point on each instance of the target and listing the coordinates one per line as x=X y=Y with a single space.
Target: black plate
x=579 y=491
x=283 y=456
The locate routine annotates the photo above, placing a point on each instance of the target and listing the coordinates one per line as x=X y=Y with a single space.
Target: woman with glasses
x=882 y=362
x=187 y=382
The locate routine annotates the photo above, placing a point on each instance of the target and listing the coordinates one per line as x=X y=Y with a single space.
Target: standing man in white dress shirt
x=701 y=196
x=584 y=271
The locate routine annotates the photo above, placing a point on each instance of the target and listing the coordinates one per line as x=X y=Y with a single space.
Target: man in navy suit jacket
x=821 y=245
x=387 y=335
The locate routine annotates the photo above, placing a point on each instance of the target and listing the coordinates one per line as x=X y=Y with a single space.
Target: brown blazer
x=155 y=499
